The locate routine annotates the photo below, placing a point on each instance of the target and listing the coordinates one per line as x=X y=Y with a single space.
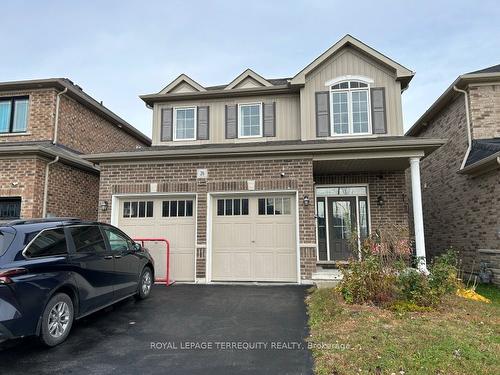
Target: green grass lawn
x=460 y=337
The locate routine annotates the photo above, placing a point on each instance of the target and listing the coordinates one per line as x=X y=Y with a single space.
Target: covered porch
x=357 y=193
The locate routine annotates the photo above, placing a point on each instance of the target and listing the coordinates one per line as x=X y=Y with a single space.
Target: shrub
x=382 y=276
x=372 y=279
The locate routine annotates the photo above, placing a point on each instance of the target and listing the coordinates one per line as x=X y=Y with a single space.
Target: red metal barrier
x=167 y=280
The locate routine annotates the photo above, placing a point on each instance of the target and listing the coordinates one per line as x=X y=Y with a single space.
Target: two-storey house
x=461 y=180
x=45 y=127
x=269 y=179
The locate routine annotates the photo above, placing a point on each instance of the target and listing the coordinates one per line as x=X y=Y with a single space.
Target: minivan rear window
x=49 y=242
x=6 y=238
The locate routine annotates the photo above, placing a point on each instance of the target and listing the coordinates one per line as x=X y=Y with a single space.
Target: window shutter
x=231 y=121
x=269 y=119
x=322 y=114
x=166 y=124
x=203 y=131
x=379 y=122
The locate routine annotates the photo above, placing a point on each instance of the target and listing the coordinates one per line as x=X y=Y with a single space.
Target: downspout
x=46 y=186
x=54 y=141
x=467 y=118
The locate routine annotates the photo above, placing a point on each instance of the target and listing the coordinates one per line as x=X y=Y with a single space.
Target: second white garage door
x=171 y=217
x=254 y=238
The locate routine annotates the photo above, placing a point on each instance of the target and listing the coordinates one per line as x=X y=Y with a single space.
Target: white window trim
x=349 y=92
x=260 y=120
x=174 y=119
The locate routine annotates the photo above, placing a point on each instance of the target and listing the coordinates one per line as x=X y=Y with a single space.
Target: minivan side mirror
x=137 y=246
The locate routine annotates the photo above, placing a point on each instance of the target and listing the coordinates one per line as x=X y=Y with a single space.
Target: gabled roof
x=402 y=73
x=248 y=73
x=491 y=74
x=491 y=69
x=179 y=80
x=76 y=93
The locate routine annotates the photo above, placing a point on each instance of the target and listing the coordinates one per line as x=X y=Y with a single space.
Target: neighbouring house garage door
x=254 y=238
x=167 y=217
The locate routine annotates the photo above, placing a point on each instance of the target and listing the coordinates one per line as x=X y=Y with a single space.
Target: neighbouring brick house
x=461 y=180
x=267 y=179
x=45 y=125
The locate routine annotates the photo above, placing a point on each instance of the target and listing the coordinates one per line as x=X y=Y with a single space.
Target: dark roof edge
x=462 y=81
x=482 y=166
x=80 y=96
x=64 y=157
x=221 y=93
x=267 y=150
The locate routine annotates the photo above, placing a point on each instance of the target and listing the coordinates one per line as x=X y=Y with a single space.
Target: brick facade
x=42 y=108
x=390 y=185
x=226 y=176
x=222 y=176
x=72 y=190
x=485 y=111
x=459 y=210
x=87 y=132
x=24 y=177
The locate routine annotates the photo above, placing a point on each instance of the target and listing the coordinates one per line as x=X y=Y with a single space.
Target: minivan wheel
x=57 y=320
x=145 y=283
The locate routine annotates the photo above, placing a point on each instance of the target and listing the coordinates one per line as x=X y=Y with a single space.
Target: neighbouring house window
x=177 y=208
x=13 y=114
x=48 y=243
x=232 y=207
x=185 y=124
x=138 y=209
x=350 y=108
x=10 y=208
x=274 y=206
x=250 y=120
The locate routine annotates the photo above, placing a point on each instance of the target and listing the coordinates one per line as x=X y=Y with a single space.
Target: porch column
x=418 y=217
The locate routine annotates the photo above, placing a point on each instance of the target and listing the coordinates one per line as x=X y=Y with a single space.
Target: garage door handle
x=253 y=241
x=108 y=257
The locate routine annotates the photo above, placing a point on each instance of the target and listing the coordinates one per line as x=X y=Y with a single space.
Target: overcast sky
x=117 y=50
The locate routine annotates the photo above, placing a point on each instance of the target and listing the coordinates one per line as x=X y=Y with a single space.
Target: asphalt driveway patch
x=182 y=329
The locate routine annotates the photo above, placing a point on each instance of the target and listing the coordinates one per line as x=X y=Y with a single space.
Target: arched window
x=350 y=106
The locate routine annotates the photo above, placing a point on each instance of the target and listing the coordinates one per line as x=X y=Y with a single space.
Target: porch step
x=326 y=283
x=327 y=275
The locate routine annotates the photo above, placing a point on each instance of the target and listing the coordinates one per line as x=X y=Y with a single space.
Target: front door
x=342 y=221
x=342 y=227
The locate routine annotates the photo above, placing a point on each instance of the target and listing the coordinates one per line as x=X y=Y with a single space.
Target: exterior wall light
x=306 y=200
x=380 y=200
x=103 y=205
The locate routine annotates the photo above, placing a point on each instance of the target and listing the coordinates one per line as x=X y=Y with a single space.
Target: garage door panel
x=180 y=231
x=227 y=264
x=232 y=235
x=267 y=240
x=263 y=265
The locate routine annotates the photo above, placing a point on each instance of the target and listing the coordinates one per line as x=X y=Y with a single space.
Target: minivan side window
x=88 y=239
x=49 y=242
x=117 y=241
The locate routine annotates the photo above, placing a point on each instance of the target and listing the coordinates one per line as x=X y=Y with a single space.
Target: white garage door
x=172 y=218
x=254 y=238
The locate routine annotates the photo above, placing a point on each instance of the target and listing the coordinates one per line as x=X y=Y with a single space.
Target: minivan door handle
x=108 y=257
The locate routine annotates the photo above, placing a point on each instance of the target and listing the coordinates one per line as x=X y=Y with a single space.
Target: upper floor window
x=185 y=124
x=13 y=114
x=350 y=107
x=250 y=120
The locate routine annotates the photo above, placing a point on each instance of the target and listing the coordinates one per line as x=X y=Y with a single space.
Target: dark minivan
x=53 y=271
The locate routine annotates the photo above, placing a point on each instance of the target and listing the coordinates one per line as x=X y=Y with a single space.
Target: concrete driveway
x=183 y=329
